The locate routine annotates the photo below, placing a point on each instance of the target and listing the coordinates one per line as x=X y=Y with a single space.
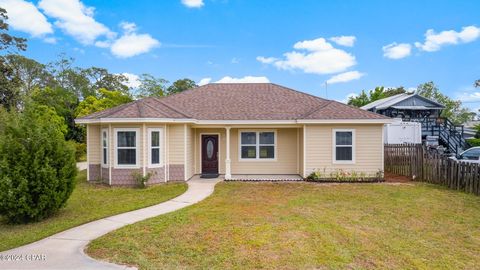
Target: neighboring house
x=406 y=106
x=235 y=130
x=415 y=108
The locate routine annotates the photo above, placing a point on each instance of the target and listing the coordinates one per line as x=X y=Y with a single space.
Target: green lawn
x=88 y=202
x=307 y=225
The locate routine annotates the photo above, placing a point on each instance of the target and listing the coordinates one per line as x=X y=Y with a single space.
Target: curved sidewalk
x=64 y=250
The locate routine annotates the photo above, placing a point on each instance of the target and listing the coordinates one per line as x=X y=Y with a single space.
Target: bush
x=37 y=166
x=141 y=180
x=474 y=142
x=80 y=151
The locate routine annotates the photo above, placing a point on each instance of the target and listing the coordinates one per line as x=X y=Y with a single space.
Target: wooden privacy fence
x=421 y=164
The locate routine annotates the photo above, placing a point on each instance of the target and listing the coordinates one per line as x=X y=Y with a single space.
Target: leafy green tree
x=10 y=96
x=37 y=165
x=64 y=103
x=360 y=100
x=31 y=73
x=453 y=108
x=151 y=86
x=100 y=78
x=374 y=95
x=180 y=86
x=107 y=99
x=477 y=83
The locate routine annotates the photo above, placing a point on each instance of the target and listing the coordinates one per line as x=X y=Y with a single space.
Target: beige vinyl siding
x=368 y=149
x=94 y=144
x=286 y=150
x=190 y=152
x=176 y=144
x=221 y=145
x=300 y=151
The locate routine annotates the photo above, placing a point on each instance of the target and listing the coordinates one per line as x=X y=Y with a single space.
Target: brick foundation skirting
x=94 y=172
x=124 y=177
x=158 y=175
x=176 y=172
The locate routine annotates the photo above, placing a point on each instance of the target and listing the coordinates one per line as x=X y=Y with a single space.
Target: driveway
x=64 y=250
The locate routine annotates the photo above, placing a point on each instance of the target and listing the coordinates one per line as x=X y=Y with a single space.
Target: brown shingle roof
x=237 y=101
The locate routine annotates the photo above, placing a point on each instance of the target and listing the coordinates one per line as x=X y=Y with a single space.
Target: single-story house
x=232 y=130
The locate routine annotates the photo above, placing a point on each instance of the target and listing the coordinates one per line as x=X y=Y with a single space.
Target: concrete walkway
x=65 y=250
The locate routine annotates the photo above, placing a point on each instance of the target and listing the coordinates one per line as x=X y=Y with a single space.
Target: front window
x=104 y=147
x=257 y=145
x=154 y=146
x=344 y=148
x=127 y=147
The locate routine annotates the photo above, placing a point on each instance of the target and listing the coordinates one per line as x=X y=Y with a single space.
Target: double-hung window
x=154 y=146
x=126 y=143
x=256 y=145
x=344 y=145
x=104 y=147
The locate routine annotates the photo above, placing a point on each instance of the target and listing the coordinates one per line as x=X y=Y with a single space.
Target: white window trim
x=137 y=152
x=334 y=146
x=257 y=145
x=101 y=146
x=149 y=149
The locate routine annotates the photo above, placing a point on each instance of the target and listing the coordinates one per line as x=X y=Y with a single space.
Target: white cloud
x=347 y=41
x=204 y=81
x=345 y=77
x=266 y=60
x=75 y=19
x=193 y=3
x=434 y=41
x=246 y=79
x=131 y=43
x=133 y=80
x=235 y=60
x=313 y=56
x=24 y=16
x=397 y=51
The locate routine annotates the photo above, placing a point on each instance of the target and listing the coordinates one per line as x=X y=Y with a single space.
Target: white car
x=471 y=155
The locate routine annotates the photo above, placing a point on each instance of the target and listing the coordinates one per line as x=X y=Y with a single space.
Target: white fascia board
x=346 y=121
x=135 y=120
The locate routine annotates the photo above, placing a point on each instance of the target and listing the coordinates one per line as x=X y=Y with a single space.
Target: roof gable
x=403 y=100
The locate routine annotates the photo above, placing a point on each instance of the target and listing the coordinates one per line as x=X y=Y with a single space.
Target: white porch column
x=228 y=173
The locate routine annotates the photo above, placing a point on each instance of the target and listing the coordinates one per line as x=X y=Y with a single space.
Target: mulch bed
x=393 y=178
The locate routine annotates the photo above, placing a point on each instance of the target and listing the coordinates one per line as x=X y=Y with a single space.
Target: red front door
x=210 y=155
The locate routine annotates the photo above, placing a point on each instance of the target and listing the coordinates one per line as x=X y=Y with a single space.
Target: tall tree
x=107 y=99
x=477 y=83
x=31 y=73
x=453 y=108
x=373 y=95
x=10 y=96
x=151 y=86
x=181 y=85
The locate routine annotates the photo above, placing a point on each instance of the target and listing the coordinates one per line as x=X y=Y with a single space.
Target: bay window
x=255 y=145
x=154 y=146
x=104 y=147
x=126 y=143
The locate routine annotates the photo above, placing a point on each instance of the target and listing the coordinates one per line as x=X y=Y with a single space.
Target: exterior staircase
x=449 y=134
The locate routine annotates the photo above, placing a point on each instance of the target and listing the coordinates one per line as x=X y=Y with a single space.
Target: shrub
x=37 y=166
x=141 y=180
x=80 y=151
x=474 y=142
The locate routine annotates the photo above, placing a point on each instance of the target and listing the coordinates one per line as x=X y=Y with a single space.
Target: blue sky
x=353 y=45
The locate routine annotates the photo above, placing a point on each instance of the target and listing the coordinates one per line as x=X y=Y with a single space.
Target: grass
x=307 y=225
x=88 y=202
